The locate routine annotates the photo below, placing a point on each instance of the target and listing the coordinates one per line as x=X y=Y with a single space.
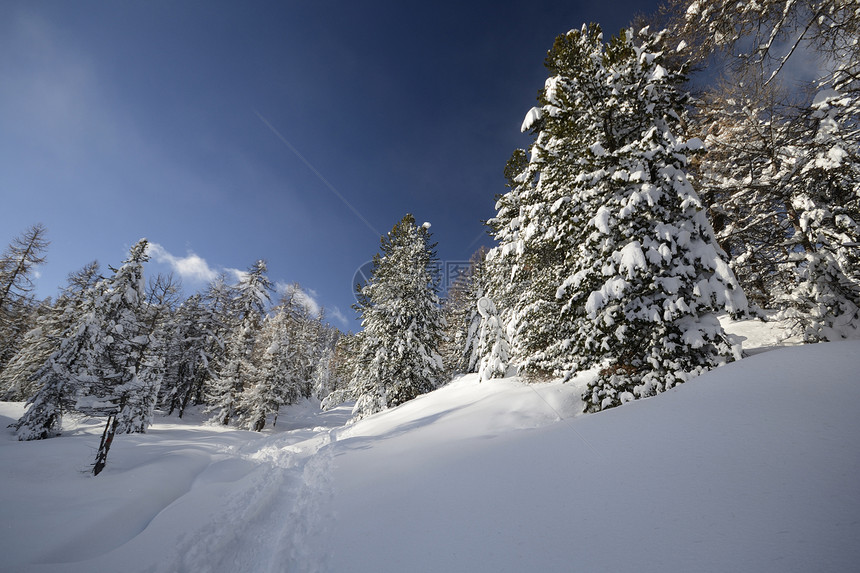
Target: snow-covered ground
x=752 y=467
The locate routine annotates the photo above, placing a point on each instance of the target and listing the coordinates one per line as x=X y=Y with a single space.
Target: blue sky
x=295 y=132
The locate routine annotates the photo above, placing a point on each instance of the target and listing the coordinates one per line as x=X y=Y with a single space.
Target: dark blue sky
x=183 y=122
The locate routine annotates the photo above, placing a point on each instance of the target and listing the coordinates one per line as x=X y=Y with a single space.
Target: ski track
x=273 y=520
x=305 y=528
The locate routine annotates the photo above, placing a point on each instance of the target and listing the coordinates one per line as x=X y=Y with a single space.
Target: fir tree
x=118 y=377
x=17 y=264
x=189 y=352
x=99 y=367
x=462 y=320
x=826 y=302
x=252 y=296
x=611 y=260
x=276 y=380
x=492 y=349
x=53 y=322
x=402 y=322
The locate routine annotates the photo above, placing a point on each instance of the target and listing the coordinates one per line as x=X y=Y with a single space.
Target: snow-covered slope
x=752 y=467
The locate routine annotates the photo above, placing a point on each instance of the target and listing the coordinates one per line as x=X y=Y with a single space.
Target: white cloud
x=237 y=274
x=306 y=298
x=191 y=267
x=339 y=316
x=194 y=268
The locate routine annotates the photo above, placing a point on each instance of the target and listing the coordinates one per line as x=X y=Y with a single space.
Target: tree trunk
x=104 y=446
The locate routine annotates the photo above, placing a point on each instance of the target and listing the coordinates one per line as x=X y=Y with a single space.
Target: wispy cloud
x=237 y=274
x=305 y=297
x=191 y=267
x=339 y=316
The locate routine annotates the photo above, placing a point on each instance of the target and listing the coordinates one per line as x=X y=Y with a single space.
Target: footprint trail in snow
x=273 y=515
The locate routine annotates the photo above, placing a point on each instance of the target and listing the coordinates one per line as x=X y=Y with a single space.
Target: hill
x=751 y=467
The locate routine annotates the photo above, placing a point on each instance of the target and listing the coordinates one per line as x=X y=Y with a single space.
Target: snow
x=695 y=143
x=533 y=116
x=823 y=97
x=631 y=258
x=750 y=467
x=602 y=219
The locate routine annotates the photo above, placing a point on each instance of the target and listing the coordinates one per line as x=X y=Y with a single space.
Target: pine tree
x=527 y=264
x=276 y=380
x=462 y=319
x=402 y=322
x=117 y=379
x=17 y=264
x=251 y=299
x=492 y=349
x=155 y=315
x=99 y=367
x=306 y=335
x=189 y=354
x=324 y=376
x=33 y=349
x=608 y=257
x=826 y=302
x=745 y=178
x=54 y=321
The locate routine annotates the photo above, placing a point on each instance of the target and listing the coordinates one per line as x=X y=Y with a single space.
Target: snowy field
x=752 y=467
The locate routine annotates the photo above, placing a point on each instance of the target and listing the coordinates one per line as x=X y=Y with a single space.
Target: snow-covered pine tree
x=826 y=302
x=605 y=254
x=492 y=349
x=646 y=278
x=119 y=379
x=189 y=354
x=306 y=335
x=17 y=307
x=782 y=187
x=155 y=316
x=527 y=264
x=56 y=381
x=98 y=368
x=53 y=322
x=324 y=379
x=402 y=322
x=220 y=301
x=252 y=297
x=459 y=348
x=276 y=380
x=34 y=348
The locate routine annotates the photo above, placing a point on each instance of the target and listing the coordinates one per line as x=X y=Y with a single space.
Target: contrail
x=317 y=173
